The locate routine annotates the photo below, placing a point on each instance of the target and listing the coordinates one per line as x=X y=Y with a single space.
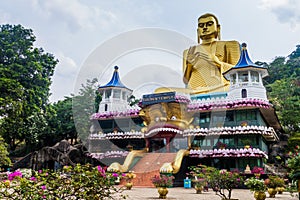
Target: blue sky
x=74 y=31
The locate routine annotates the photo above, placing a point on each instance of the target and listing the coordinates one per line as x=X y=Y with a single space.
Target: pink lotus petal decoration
x=117 y=135
x=240 y=130
x=228 y=153
x=109 y=154
x=216 y=103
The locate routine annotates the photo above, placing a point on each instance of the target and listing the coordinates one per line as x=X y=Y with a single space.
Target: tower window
x=123 y=95
x=244 y=93
x=243 y=76
x=254 y=77
x=107 y=94
x=233 y=78
x=117 y=94
x=105 y=107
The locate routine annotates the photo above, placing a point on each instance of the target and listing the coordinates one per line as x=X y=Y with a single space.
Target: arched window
x=105 y=107
x=244 y=93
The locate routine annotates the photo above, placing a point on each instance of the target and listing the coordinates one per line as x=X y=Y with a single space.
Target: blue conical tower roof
x=115 y=80
x=246 y=62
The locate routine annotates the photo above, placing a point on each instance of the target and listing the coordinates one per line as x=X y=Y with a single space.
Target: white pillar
x=111 y=95
x=260 y=78
x=249 y=77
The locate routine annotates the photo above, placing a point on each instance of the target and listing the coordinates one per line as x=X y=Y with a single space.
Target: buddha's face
x=207 y=27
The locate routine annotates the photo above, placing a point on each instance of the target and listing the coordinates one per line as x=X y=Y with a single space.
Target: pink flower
x=101 y=170
x=11 y=176
x=43 y=187
x=115 y=174
x=33 y=178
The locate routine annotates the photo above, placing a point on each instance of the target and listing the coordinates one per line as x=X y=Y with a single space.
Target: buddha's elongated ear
x=198 y=35
x=219 y=31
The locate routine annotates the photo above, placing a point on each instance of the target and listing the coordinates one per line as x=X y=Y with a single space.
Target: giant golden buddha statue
x=204 y=64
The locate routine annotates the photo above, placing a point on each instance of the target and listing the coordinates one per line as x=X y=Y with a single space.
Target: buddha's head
x=208 y=27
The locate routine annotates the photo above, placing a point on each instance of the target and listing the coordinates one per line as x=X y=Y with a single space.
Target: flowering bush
x=222 y=180
x=198 y=174
x=12 y=176
x=256 y=185
x=79 y=182
x=257 y=170
x=274 y=181
x=162 y=180
x=199 y=182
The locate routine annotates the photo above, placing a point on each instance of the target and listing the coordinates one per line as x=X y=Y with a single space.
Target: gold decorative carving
x=174 y=167
x=171 y=113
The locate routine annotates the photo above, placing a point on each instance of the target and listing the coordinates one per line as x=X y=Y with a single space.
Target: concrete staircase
x=148 y=166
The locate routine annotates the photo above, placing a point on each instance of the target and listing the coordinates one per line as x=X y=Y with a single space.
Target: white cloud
x=4 y=17
x=270 y=4
x=66 y=65
x=64 y=77
x=75 y=14
x=286 y=11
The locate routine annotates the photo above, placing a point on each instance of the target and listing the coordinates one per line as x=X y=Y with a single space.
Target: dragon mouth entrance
x=163 y=128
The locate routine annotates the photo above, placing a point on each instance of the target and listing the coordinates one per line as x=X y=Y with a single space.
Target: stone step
x=148 y=166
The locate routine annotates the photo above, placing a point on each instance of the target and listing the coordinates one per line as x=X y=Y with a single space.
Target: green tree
x=4 y=159
x=285 y=95
x=25 y=77
x=284 y=92
x=277 y=70
x=64 y=122
x=284 y=67
x=84 y=105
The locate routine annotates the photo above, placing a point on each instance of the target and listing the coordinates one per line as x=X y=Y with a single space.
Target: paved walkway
x=179 y=193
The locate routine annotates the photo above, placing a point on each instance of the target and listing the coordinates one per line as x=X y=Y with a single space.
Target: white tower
x=246 y=78
x=114 y=94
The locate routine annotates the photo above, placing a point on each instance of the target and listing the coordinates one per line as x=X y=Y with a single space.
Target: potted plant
x=162 y=182
x=257 y=171
x=272 y=182
x=280 y=185
x=223 y=182
x=128 y=178
x=197 y=175
x=199 y=184
x=258 y=187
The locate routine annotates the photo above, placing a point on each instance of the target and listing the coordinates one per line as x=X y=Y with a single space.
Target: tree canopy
x=283 y=86
x=84 y=105
x=25 y=78
x=4 y=159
